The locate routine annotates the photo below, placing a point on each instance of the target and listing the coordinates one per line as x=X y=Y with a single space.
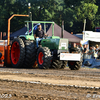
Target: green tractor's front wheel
x=64 y=64
x=44 y=58
x=56 y=64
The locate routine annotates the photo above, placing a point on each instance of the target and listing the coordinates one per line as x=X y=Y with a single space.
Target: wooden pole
x=84 y=28
x=62 y=30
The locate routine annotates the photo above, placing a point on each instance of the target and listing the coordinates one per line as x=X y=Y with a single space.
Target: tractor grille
x=63 y=44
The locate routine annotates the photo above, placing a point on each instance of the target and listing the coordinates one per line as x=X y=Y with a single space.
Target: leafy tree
x=73 y=12
x=87 y=11
x=79 y=11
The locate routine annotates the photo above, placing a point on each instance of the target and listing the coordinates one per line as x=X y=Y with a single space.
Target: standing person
x=87 y=48
x=96 y=48
x=91 y=52
x=73 y=48
x=69 y=46
x=81 y=48
x=84 y=48
x=95 y=53
x=85 y=51
x=74 y=45
x=93 y=47
x=39 y=34
x=77 y=47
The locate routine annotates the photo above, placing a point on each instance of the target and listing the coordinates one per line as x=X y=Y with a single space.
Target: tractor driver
x=39 y=34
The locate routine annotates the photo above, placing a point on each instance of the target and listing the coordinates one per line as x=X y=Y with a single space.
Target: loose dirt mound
x=29 y=91
x=33 y=84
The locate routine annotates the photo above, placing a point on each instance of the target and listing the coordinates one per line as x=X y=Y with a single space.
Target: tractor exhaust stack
x=62 y=30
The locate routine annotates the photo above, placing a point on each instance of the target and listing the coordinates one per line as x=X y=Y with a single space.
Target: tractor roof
x=40 y=22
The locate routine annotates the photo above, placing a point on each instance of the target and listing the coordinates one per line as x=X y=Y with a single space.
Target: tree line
x=73 y=12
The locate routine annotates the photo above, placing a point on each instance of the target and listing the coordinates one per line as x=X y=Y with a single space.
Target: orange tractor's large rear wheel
x=17 y=52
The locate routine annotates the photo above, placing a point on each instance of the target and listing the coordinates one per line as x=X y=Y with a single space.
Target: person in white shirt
x=97 y=48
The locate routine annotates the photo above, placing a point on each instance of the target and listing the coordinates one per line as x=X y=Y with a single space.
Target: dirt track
x=37 y=84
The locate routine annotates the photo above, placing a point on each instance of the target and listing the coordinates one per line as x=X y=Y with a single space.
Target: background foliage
x=73 y=12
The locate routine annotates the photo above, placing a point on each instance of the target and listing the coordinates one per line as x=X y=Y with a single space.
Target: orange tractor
x=5 y=46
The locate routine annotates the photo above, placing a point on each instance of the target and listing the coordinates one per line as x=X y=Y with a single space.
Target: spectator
x=81 y=48
x=70 y=45
x=85 y=56
x=77 y=47
x=97 y=48
x=98 y=54
x=84 y=49
x=95 y=53
x=73 y=48
x=87 y=48
x=74 y=45
x=91 y=52
x=94 y=48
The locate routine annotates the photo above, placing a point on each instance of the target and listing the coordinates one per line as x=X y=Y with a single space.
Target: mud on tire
x=30 y=54
x=17 y=52
x=44 y=57
x=64 y=64
x=56 y=64
x=75 y=65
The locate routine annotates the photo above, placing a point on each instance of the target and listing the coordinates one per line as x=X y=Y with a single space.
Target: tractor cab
x=29 y=35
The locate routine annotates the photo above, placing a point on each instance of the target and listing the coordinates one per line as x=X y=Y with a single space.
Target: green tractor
x=52 y=51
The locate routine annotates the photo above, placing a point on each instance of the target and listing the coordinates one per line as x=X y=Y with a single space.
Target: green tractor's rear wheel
x=30 y=54
x=74 y=65
x=17 y=52
x=44 y=58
